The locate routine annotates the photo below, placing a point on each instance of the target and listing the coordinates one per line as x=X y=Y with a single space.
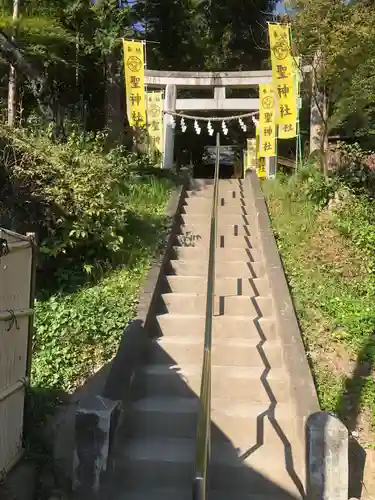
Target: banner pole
x=276 y=147
x=148 y=145
x=296 y=83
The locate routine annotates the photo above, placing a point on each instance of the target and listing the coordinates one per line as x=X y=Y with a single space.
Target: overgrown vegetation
x=113 y=226
x=325 y=230
x=99 y=220
x=337 y=39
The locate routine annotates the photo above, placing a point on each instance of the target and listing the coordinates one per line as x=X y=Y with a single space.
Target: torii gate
x=170 y=80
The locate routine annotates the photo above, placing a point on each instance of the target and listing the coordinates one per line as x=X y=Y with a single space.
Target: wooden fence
x=17 y=278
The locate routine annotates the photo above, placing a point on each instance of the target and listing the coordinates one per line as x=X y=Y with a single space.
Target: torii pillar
x=168 y=136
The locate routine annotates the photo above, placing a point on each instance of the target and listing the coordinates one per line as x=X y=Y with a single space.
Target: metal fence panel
x=16 y=264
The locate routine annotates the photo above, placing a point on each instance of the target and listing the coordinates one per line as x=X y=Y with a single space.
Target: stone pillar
x=327 y=475
x=168 y=138
x=271 y=167
x=95 y=424
x=219 y=96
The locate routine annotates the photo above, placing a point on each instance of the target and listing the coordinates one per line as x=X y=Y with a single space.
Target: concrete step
x=223 y=286
x=234 y=305
x=168 y=462
x=177 y=417
x=223 y=219
x=203 y=206
x=208 y=192
x=146 y=493
x=222 y=229
x=231 y=352
x=223 y=269
x=225 y=198
x=228 y=254
x=191 y=239
x=228 y=192
x=234 y=384
x=222 y=326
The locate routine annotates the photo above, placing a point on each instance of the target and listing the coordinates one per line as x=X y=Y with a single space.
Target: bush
x=333 y=285
x=319 y=189
x=357 y=168
x=99 y=220
x=355 y=219
x=310 y=184
x=79 y=199
x=76 y=334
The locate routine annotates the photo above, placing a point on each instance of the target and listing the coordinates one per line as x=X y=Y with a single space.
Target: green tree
x=75 y=46
x=338 y=40
x=205 y=34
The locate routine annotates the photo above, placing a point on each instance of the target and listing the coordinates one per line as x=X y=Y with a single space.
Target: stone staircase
x=257 y=449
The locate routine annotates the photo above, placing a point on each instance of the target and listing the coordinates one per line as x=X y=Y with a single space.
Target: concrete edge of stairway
x=295 y=358
x=85 y=429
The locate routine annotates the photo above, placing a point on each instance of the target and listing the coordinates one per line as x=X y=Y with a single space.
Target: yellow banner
x=251 y=154
x=261 y=167
x=288 y=130
x=135 y=82
x=155 y=120
x=283 y=80
x=267 y=120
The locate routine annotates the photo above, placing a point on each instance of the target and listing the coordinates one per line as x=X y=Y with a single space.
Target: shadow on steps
x=155 y=446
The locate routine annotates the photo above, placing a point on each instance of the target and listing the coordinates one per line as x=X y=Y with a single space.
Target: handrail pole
x=204 y=416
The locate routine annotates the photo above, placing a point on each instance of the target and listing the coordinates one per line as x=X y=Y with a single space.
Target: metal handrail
x=204 y=415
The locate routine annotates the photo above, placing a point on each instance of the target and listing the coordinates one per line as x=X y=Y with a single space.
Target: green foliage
x=330 y=389
x=319 y=189
x=88 y=197
x=356 y=170
x=355 y=219
x=205 y=35
x=343 y=34
x=310 y=185
x=77 y=45
x=329 y=257
x=111 y=223
x=78 y=333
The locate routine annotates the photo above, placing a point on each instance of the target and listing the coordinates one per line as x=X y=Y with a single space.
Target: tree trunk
x=12 y=96
x=12 y=85
x=113 y=110
x=38 y=83
x=318 y=116
x=323 y=136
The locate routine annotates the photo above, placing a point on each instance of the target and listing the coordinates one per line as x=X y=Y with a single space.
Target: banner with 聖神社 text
x=135 y=82
x=251 y=156
x=267 y=120
x=283 y=76
x=155 y=120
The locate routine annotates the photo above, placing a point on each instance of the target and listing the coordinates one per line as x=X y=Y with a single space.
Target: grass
x=99 y=217
x=329 y=272
x=77 y=332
